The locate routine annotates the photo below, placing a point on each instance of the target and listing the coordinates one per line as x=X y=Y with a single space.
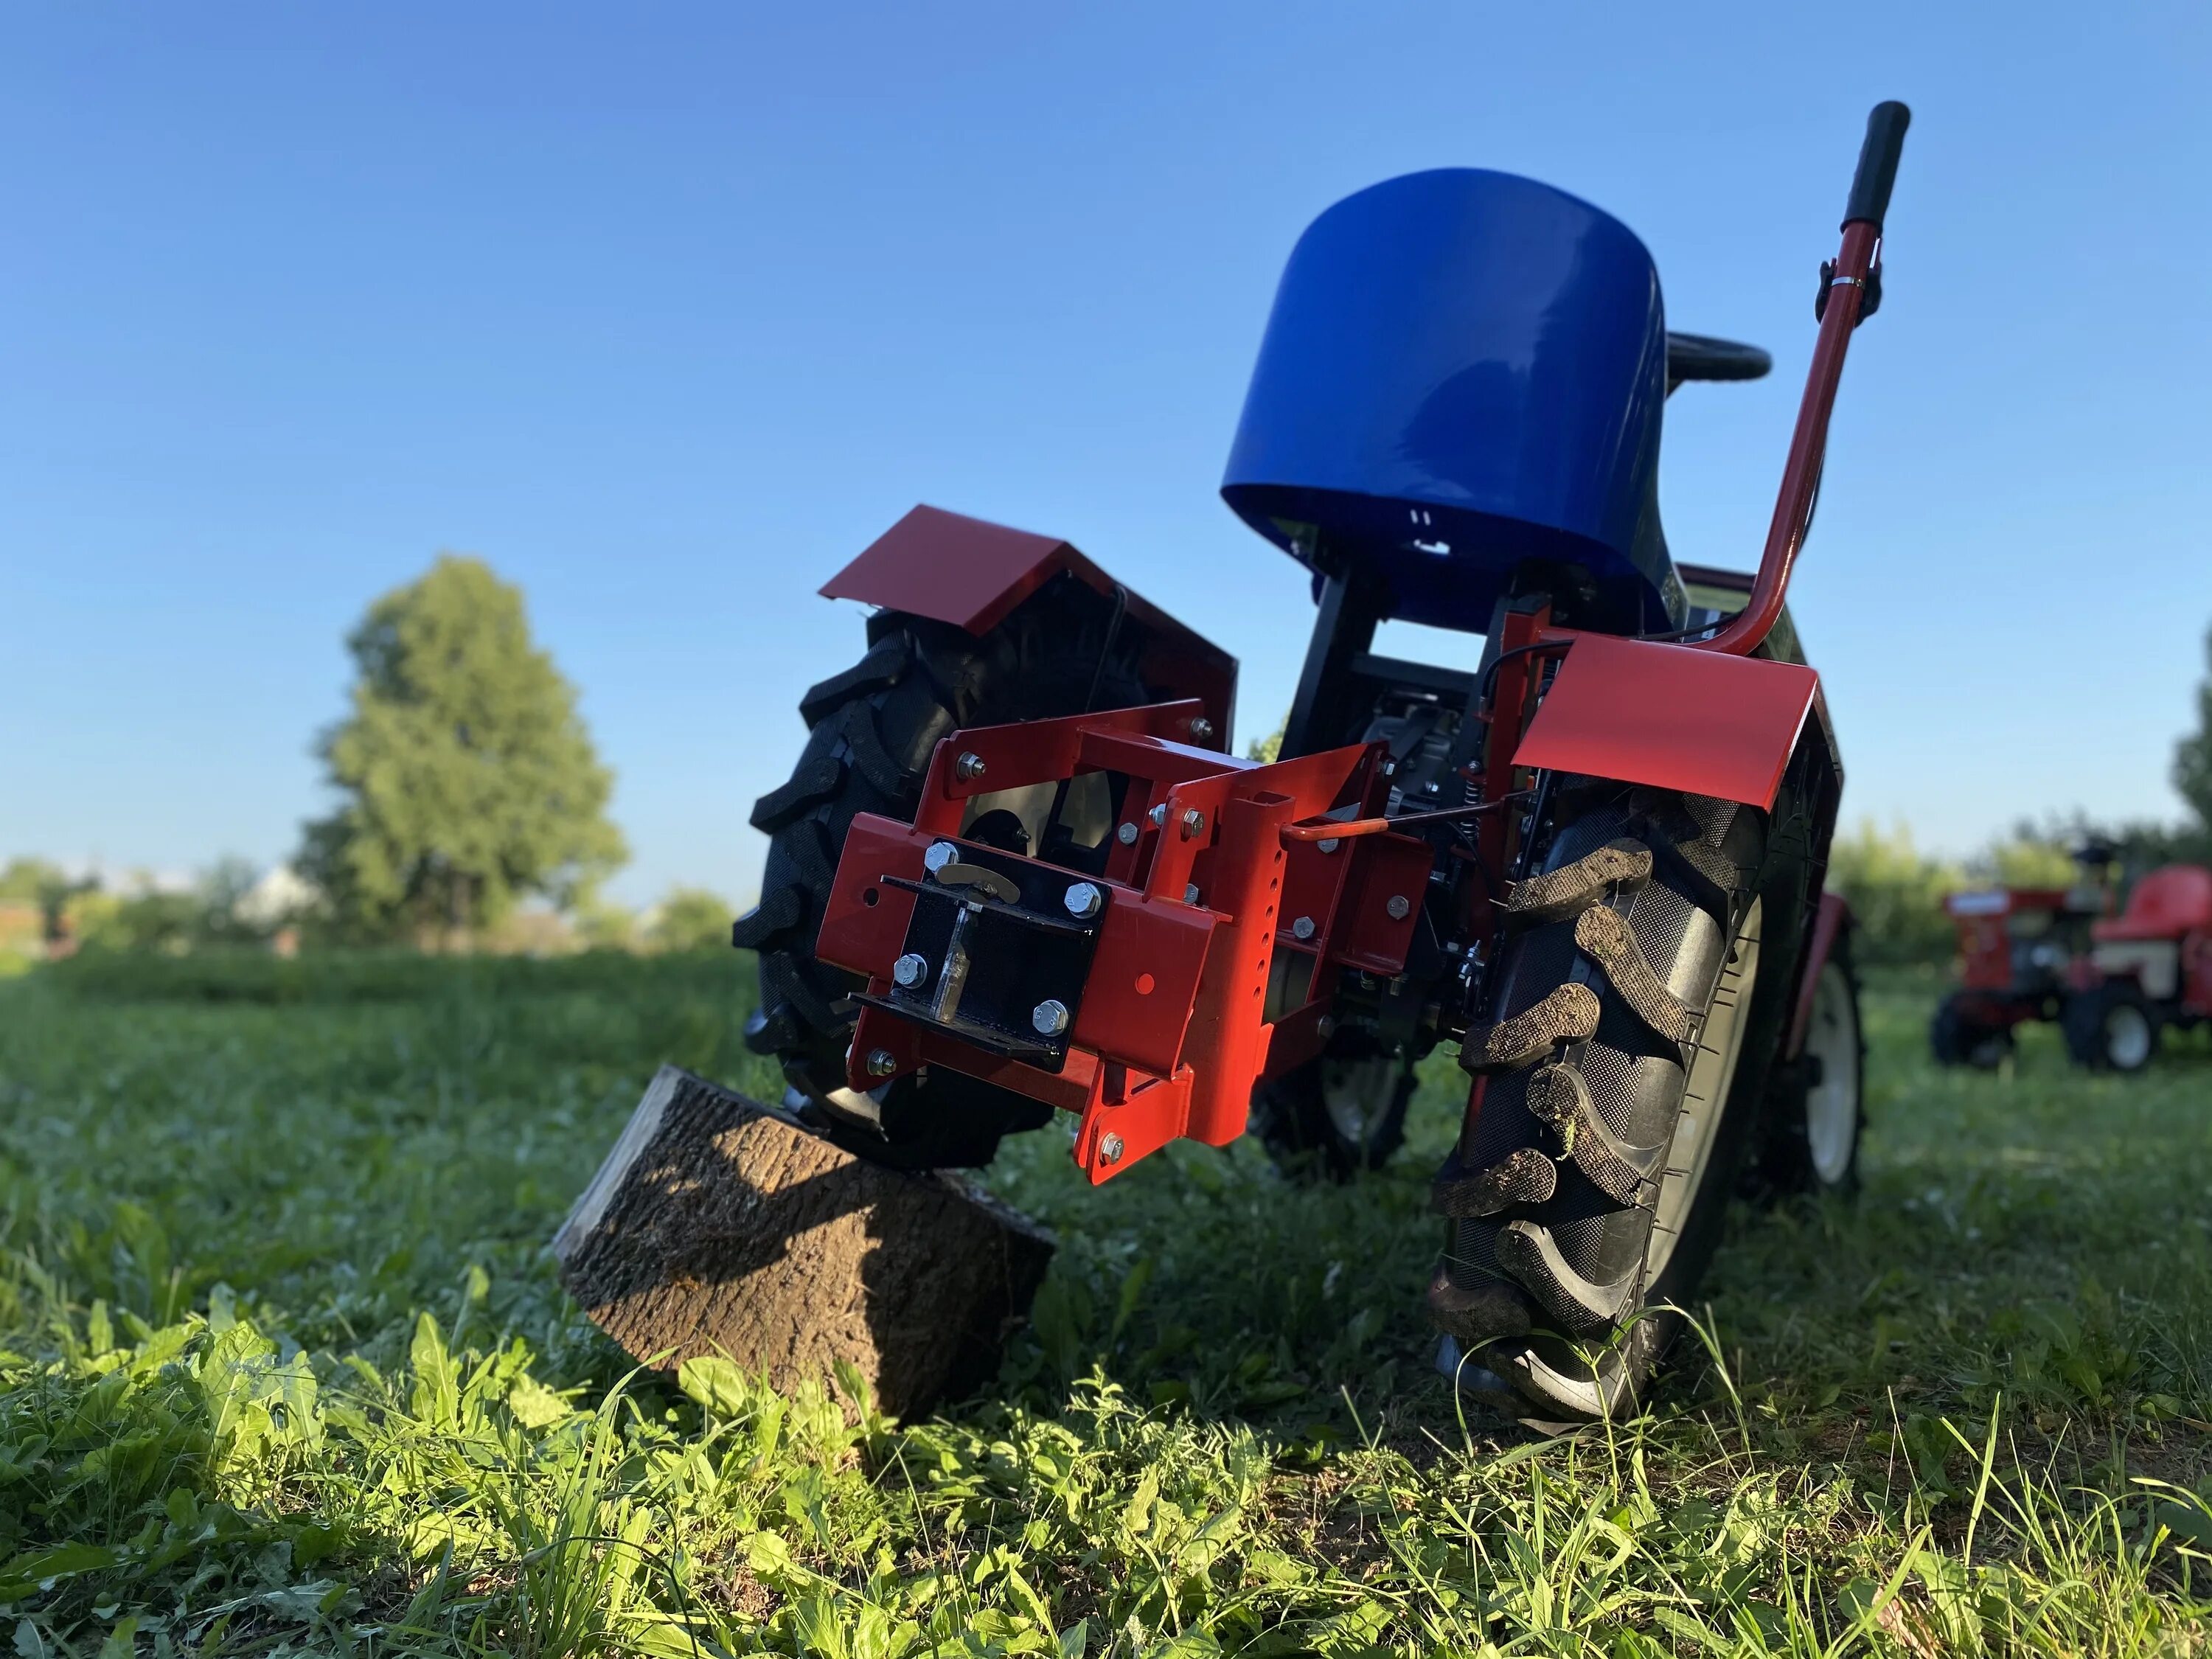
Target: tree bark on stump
x=720 y=1225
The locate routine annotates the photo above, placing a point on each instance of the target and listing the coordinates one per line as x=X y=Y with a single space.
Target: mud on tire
x=872 y=730
x=1579 y=1202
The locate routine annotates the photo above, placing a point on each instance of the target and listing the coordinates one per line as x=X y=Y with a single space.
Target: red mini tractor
x=2148 y=968
x=2023 y=952
x=1017 y=871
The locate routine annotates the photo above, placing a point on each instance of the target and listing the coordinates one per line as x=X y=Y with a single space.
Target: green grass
x=283 y=1366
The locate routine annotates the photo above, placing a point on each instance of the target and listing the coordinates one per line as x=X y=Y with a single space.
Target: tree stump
x=720 y=1225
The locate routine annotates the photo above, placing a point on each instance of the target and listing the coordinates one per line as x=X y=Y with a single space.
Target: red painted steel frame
x=971 y=573
x=1177 y=1019
x=1808 y=446
x=1831 y=924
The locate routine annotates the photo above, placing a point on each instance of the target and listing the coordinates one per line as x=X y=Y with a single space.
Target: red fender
x=1700 y=722
x=971 y=573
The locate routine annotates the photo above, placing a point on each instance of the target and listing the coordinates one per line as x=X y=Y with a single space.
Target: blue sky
x=667 y=311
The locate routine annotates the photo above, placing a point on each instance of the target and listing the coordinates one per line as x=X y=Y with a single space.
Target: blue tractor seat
x=1460 y=385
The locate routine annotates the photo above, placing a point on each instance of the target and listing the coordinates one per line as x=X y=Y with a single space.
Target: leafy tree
x=692 y=919
x=29 y=879
x=1896 y=893
x=468 y=779
x=2192 y=756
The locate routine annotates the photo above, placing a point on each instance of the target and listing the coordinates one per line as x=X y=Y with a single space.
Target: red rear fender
x=972 y=574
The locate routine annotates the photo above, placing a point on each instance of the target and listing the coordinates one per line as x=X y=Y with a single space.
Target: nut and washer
x=1082 y=900
x=1400 y=907
x=1126 y=834
x=1194 y=823
x=940 y=853
x=1158 y=816
x=968 y=767
x=882 y=1063
x=1109 y=1148
x=1330 y=845
x=1201 y=729
x=910 y=970
x=1049 y=1017
x=1303 y=927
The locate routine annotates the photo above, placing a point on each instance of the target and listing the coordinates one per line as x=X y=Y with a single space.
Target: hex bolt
x=910 y=970
x=882 y=1063
x=1158 y=816
x=1082 y=900
x=940 y=853
x=1303 y=927
x=1049 y=1017
x=1400 y=907
x=1126 y=834
x=1109 y=1148
x=1330 y=845
x=968 y=767
x=1194 y=822
x=1190 y=893
x=1201 y=729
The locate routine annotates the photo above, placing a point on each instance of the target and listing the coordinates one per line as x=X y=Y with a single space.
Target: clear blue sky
x=666 y=310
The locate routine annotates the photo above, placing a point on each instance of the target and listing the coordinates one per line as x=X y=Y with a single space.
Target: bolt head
x=1082 y=900
x=1201 y=728
x=1158 y=816
x=1330 y=845
x=1190 y=893
x=1400 y=907
x=940 y=853
x=1126 y=834
x=910 y=970
x=1109 y=1148
x=1049 y=1017
x=1303 y=927
x=882 y=1063
x=1194 y=822
x=968 y=767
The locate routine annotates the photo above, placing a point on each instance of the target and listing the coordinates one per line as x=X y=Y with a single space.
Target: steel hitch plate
x=997 y=951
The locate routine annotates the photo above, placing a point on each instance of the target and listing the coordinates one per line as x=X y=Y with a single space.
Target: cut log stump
x=719 y=1225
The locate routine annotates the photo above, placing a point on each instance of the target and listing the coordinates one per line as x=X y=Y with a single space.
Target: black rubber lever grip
x=1878 y=157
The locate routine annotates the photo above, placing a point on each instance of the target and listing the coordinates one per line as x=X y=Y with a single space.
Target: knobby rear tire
x=1602 y=996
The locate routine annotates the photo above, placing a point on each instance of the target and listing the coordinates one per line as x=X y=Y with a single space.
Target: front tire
x=1640 y=992
x=2112 y=1027
x=1338 y=1115
x=1816 y=1109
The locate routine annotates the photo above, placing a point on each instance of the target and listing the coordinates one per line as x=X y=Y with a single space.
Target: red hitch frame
x=1220 y=938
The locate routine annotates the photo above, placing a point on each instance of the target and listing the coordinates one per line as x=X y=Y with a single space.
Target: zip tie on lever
x=1331 y=829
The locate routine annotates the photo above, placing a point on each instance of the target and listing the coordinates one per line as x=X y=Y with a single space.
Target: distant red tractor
x=2111 y=982
x=2148 y=968
x=2023 y=952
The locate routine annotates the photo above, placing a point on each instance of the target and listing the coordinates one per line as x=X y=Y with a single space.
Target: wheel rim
x=1705 y=1094
x=1356 y=1093
x=2127 y=1037
x=1831 y=1105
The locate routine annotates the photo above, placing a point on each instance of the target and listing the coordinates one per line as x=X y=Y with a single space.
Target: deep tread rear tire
x=872 y=730
x=1558 y=1297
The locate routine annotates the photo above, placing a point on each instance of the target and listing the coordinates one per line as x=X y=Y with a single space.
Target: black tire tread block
x=1595 y=1010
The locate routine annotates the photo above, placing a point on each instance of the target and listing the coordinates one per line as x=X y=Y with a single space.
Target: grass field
x=283 y=1367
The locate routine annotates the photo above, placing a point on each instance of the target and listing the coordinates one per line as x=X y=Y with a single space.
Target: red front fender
x=971 y=573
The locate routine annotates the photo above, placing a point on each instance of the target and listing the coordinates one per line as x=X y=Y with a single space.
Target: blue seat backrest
x=1462 y=377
